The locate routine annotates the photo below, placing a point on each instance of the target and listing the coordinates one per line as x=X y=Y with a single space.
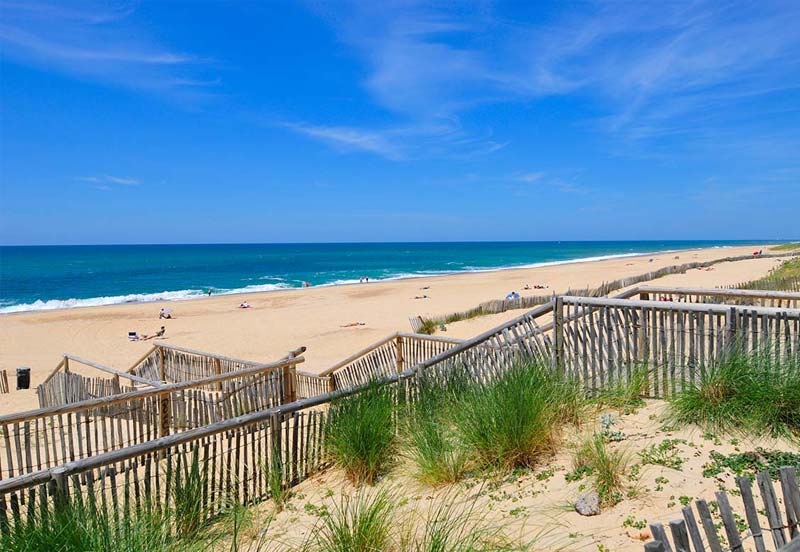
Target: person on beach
x=159 y=333
x=209 y=292
x=244 y=305
x=164 y=315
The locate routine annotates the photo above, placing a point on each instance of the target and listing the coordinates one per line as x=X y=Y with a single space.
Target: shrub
x=513 y=420
x=360 y=433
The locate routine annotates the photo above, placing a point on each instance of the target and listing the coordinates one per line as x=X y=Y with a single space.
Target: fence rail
x=748 y=297
x=235 y=454
x=45 y=438
x=391 y=355
x=785 y=536
x=3 y=381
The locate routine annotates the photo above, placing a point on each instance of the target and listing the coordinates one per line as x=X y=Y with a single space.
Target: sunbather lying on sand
x=352 y=324
x=159 y=333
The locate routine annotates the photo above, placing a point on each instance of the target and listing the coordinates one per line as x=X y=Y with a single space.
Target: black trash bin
x=23 y=378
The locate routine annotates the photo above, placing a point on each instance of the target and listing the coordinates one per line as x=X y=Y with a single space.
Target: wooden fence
x=754 y=298
x=3 y=381
x=391 y=355
x=785 y=535
x=503 y=305
x=45 y=438
x=603 y=340
x=234 y=455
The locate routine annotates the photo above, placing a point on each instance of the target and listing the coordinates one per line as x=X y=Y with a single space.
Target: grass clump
x=627 y=395
x=605 y=466
x=434 y=448
x=274 y=471
x=360 y=433
x=428 y=326
x=452 y=526
x=76 y=526
x=361 y=523
x=512 y=421
x=744 y=394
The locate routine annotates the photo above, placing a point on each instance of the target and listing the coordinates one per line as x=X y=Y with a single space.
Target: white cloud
x=108 y=182
x=98 y=42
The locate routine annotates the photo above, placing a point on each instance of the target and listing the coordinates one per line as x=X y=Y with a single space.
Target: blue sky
x=178 y=122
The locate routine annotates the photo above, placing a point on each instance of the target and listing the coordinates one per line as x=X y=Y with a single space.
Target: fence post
x=558 y=333
x=290 y=378
x=399 y=360
x=731 y=334
x=60 y=490
x=164 y=399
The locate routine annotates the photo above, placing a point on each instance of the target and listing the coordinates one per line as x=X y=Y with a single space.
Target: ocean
x=58 y=277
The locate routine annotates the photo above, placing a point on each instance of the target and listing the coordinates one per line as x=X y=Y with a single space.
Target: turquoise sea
x=55 y=277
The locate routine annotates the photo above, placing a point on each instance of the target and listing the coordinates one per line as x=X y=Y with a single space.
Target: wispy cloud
x=107 y=182
x=97 y=42
x=649 y=71
x=402 y=142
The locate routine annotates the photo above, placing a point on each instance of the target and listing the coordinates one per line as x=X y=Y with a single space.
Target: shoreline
x=321 y=318
x=277 y=288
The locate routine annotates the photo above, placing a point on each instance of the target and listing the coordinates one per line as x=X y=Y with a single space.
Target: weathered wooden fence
x=3 y=381
x=602 y=340
x=527 y=302
x=754 y=298
x=233 y=453
x=784 y=533
x=391 y=355
x=45 y=438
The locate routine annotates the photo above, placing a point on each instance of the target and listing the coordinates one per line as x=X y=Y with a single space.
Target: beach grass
x=626 y=395
x=792 y=246
x=436 y=452
x=361 y=433
x=512 y=421
x=359 y=523
x=606 y=467
x=746 y=394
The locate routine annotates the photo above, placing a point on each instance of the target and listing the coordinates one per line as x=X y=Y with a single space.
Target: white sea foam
x=54 y=304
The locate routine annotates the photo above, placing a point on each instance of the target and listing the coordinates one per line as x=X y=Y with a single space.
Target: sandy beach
x=280 y=321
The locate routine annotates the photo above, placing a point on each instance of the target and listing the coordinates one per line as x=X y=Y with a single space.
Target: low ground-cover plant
x=752 y=393
x=665 y=453
x=750 y=463
x=513 y=420
x=361 y=434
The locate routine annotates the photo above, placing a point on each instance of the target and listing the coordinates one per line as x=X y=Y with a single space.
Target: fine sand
x=536 y=507
x=280 y=321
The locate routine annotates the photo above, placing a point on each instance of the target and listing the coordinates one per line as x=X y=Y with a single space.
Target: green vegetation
x=627 y=396
x=361 y=433
x=512 y=421
x=786 y=247
x=750 y=463
x=428 y=326
x=187 y=493
x=275 y=474
x=606 y=467
x=784 y=278
x=76 y=527
x=436 y=452
x=361 y=523
x=746 y=394
x=665 y=454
